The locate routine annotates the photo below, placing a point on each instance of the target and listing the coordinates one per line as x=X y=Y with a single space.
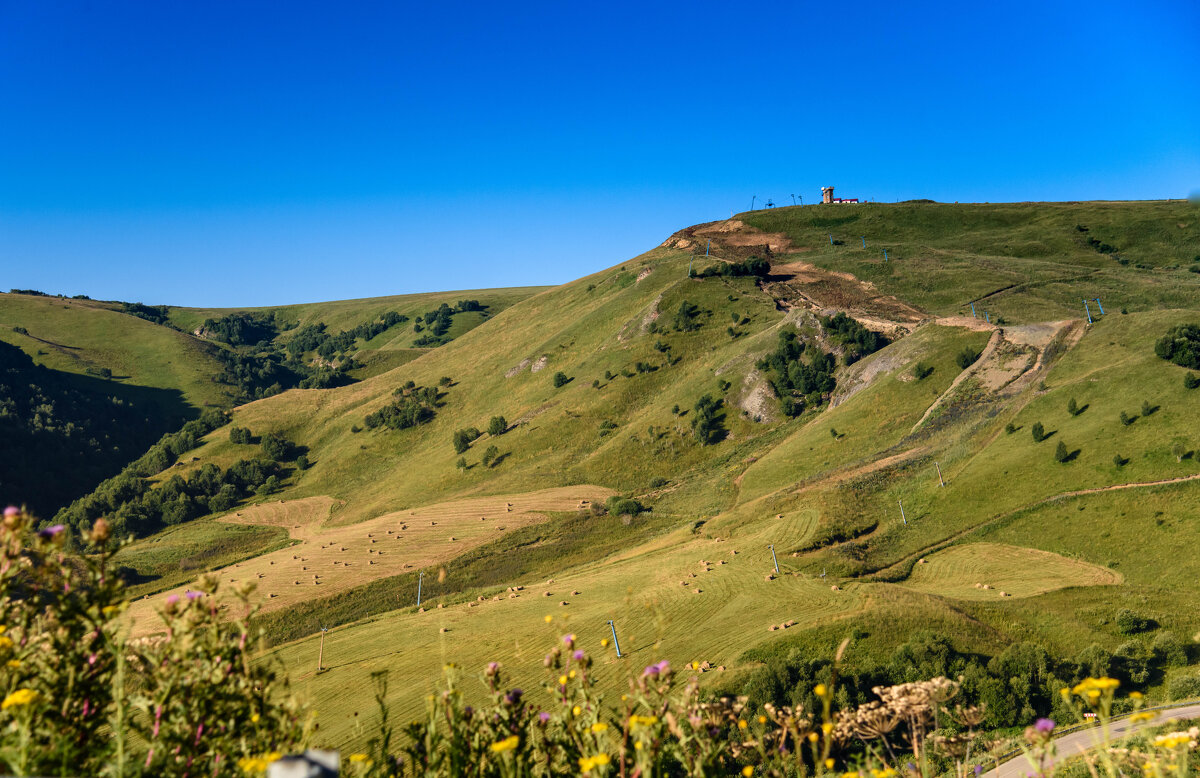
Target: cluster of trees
x=257 y=375
x=754 y=266
x=1181 y=345
x=437 y=321
x=413 y=405
x=1016 y=686
x=243 y=329
x=797 y=383
x=316 y=337
x=856 y=340
x=685 y=319
x=34 y=292
x=152 y=313
x=135 y=506
x=61 y=433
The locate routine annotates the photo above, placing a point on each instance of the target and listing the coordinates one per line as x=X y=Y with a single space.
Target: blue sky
x=257 y=153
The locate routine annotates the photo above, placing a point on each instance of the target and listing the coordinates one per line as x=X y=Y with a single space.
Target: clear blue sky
x=256 y=153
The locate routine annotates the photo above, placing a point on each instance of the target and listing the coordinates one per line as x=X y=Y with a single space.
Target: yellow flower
x=820 y=690
x=599 y=726
x=562 y=680
x=3 y=629
x=1097 y=685
x=747 y=771
x=358 y=758
x=13 y=664
x=887 y=772
x=571 y=674
x=273 y=756
x=829 y=764
x=5 y=643
x=20 y=697
x=742 y=724
x=762 y=719
x=812 y=737
x=586 y=763
x=507 y=744
x=604 y=643
x=1143 y=716
x=827 y=727
x=642 y=721
x=254 y=719
x=576 y=710
x=109 y=610
x=695 y=665
x=548 y=618
x=252 y=765
x=637 y=746
x=1135 y=695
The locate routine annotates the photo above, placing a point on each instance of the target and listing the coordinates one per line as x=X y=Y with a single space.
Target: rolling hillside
x=900 y=483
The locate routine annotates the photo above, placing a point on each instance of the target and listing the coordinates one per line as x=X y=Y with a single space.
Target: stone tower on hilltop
x=827 y=194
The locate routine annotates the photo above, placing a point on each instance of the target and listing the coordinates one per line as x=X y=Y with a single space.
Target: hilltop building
x=827 y=196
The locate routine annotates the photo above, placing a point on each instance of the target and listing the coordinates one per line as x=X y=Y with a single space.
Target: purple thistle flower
x=664 y=667
x=191 y=595
x=492 y=668
x=1044 y=726
x=172 y=599
x=578 y=656
x=569 y=640
x=11 y=511
x=978 y=769
x=544 y=718
x=651 y=671
x=513 y=697
x=49 y=533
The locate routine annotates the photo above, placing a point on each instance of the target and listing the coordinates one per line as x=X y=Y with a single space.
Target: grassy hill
x=1058 y=548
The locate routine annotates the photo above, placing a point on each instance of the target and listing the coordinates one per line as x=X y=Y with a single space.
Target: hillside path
x=1075 y=743
x=992 y=344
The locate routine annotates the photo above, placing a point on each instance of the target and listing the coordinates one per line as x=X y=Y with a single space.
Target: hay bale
x=441 y=605
x=420 y=610
x=769 y=577
x=472 y=604
x=443 y=629
x=513 y=596
x=1005 y=594
x=721 y=668
x=574 y=594
x=922 y=561
x=562 y=602
x=772 y=628
x=835 y=588
x=697 y=591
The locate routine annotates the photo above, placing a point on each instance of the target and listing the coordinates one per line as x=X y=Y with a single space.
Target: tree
x=1126 y=419
x=921 y=371
x=1179 y=450
x=463 y=438
x=277 y=447
x=269 y=486
x=967 y=357
x=1072 y=407
x=1039 y=432
x=461 y=464
x=705 y=422
x=497 y=426
x=490 y=456
x=1181 y=345
x=239 y=435
x=1191 y=380
x=1060 y=453
x=302 y=462
x=1147 y=408
x=561 y=379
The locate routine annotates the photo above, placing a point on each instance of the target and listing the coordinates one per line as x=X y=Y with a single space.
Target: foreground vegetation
x=79 y=698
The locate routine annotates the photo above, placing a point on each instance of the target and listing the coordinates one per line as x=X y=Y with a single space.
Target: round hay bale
x=772 y=628
x=562 y=602
x=443 y=629
x=441 y=605
x=922 y=561
x=835 y=588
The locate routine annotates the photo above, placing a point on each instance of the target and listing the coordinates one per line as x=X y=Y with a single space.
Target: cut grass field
x=327 y=559
x=636 y=366
x=985 y=571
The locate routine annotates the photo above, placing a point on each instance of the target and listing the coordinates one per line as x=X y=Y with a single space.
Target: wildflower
x=827 y=727
x=109 y=610
x=576 y=710
x=254 y=719
x=50 y=533
x=569 y=640
x=13 y=664
x=642 y=721
x=11 y=511
x=747 y=771
x=19 y=698
x=1143 y=716
x=1135 y=695
x=5 y=643
x=1044 y=726
x=599 y=726
x=812 y=737
x=492 y=668
x=742 y=724
x=543 y=718
x=507 y=744
x=820 y=690
x=586 y=763
x=829 y=764
x=604 y=643
x=571 y=675
x=513 y=697
x=548 y=618
x=562 y=680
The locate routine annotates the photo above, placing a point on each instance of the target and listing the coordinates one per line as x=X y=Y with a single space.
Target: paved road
x=1075 y=743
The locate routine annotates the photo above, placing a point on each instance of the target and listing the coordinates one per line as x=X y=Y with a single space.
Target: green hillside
x=646 y=382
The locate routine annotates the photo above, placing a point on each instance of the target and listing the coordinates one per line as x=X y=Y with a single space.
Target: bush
x=921 y=371
x=497 y=426
x=658 y=483
x=490 y=456
x=967 y=357
x=1060 y=453
x=277 y=447
x=1119 y=460
x=1184 y=687
x=1038 y=431
x=623 y=506
x=1126 y=419
x=1191 y=380
x=463 y=438
x=1181 y=345
x=1130 y=623
x=240 y=435
x=302 y=462
x=1010 y=428
x=561 y=379
x=1072 y=407
x=1148 y=409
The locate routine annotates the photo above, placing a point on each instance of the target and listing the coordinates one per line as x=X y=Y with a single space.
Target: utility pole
x=864 y=237
x=801 y=201
x=752 y=198
x=321 y=650
x=774 y=558
x=1089 y=311
x=793 y=199
x=614 y=634
x=885 y=259
x=939 y=469
x=973 y=316
x=902 y=516
x=1098 y=305
x=420 y=578
x=831 y=239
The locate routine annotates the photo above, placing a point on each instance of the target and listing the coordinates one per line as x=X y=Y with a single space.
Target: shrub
x=445 y=381
x=463 y=438
x=1181 y=345
x=1038 y=431
x=1184 y=687
x=1010 y=428
x=461 y=463
x=490 y=456
x=921 y=371
x=706 y=423
x=658 y=483
x=1191 y=380
x=1060 y=453
x=1130 y=623
x=277 y=447
x=561 y=379
x=623 y=506
x=1072 y=407
x=498 y=425
x=967 y=357
x=1148 y=409
x=1119 y=460
x=1126 y=419
x=302 y=462
x=240 y=435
